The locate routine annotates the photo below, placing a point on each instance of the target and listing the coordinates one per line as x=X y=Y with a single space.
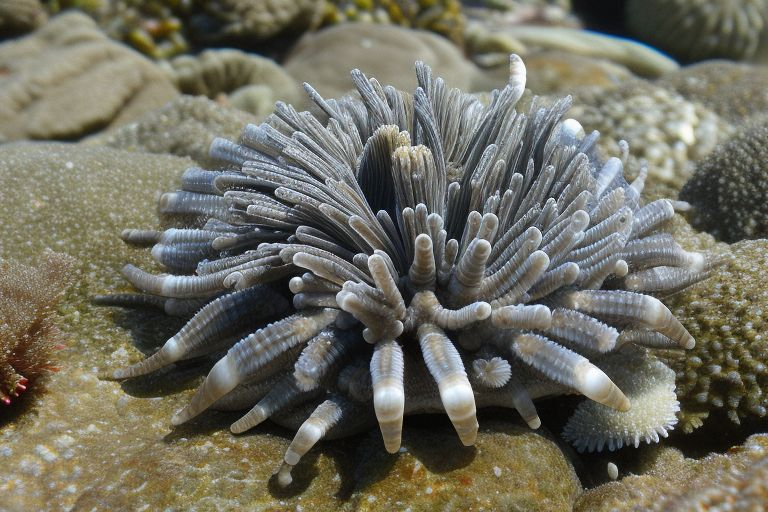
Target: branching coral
x=444 y=255
x=28 y=333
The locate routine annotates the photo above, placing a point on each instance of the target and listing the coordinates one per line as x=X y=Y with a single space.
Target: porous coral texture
x=661 y=127
x=728 y=369
x=443 y=255
x=28 y=332
x=732 y=90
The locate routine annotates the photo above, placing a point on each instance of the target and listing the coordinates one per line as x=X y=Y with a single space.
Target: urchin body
x=442 y=254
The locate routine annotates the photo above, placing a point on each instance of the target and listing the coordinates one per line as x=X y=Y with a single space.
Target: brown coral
x=28 y=333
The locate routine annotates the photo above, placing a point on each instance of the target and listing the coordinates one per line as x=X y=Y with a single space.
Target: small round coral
x=729 y=187
x=653 y=413
x=693 y=30
x=443 y=255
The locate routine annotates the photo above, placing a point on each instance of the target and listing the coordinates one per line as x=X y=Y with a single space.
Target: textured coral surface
x=727 y=369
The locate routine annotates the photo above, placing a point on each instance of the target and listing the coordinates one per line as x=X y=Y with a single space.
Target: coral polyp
x=443 y=254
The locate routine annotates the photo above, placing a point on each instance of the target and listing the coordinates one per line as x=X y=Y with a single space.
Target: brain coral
x=443 y=255
x=728 y=369
x=692 y=30
x=729 y=187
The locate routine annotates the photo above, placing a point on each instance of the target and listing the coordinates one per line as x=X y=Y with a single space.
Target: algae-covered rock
x=728 y=368
x=444 y=17
x=553 y=71
x=511 y=467
x=692 y=30
x=387 y=52
x=729 y=187
x=737 y=480
x=67 y=79
x=19 y=16
x=486 y=43
x=253 y=20
x=183 y=127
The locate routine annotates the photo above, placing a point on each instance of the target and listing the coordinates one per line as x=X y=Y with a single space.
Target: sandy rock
x=183 y=127
x=387 y=52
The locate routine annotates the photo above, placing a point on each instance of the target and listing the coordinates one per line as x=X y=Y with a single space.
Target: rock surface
x=386 y=52
x=183 y=127
x=67 y=80
x=737 y=480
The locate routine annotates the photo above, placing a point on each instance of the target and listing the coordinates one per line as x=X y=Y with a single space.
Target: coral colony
x=443 y=254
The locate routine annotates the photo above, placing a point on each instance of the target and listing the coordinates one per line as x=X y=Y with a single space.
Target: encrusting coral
x=728 y=189
x=28 y=333
x=443 y=255
x=733 y=90
x=728 y=369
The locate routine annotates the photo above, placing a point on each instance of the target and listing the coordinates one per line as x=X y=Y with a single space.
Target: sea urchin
x=443 y=254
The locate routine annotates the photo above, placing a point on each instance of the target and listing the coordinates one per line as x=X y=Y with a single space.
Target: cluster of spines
x=504 y=267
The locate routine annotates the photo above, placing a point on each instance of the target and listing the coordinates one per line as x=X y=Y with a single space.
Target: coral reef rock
x=660 y=126
x=728 y=369
x=732 y=90
x=501 y=472
x=444 y=17
x=67 y=79
x=736 y=480
x=185 y=126
x=493 y=45
x=231 y=75
x=249 y=20
x=19 y=16
x=325 y=58
x=729 y=187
